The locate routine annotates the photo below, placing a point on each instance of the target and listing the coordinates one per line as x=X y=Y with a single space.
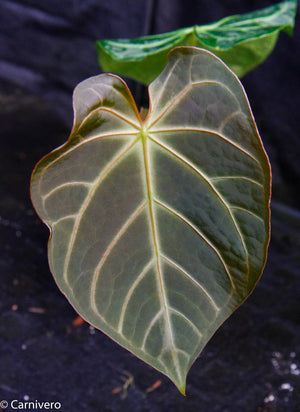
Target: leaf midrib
x=163 y=298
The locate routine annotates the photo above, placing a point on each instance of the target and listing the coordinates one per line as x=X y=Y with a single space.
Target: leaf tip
x=183 y=392
x=182 y=388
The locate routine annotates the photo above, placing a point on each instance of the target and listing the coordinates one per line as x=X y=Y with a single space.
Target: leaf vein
x=182 y=315
x=192 y=226
x=150 y=326
x=130 y=292
x=113 y=112
x=163 y=298
x=85 y=204
x=63 y=218
x=62 y=186
x=248 y=211
x=201 y=174
x=217 y=178
x=111 y=245
x=81 y=143
x=190 y=277
x=184 y=91
x=215 y=133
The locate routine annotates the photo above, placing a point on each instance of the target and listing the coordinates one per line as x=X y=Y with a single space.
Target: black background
x=46 y=48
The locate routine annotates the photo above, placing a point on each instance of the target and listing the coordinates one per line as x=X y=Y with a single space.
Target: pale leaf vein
x=111 y=245
x=85 y=204
x=150 y=326
x=185 y=90
x=248 y=179
x=62 y=186
x=163 y=298
x=247 y=211
x=212 y=132
x=187 y=320
x=192 y=279
x=209 y=243
x=203 y=176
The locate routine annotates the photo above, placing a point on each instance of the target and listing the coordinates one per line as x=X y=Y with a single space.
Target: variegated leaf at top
x=159 y=228
x=242 y=41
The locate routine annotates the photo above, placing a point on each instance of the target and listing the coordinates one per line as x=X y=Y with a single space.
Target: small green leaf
x=159 y=227
x=241 y=41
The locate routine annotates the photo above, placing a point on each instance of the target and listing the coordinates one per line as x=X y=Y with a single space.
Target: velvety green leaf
x=241 y=41
x=159 y=228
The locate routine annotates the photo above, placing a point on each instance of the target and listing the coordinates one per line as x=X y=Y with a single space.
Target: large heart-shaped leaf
x=159 y=228
x=242 y=41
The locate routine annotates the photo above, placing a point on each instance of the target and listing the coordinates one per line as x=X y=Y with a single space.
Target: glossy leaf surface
x=241 y=41
x=159 y=228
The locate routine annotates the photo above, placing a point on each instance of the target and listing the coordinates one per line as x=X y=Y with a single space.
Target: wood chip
x=116 y=390
x=78 y=321
x=156 y=385
x=40 y=311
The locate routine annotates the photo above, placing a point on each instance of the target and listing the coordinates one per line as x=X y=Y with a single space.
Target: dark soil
x=252 y=363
